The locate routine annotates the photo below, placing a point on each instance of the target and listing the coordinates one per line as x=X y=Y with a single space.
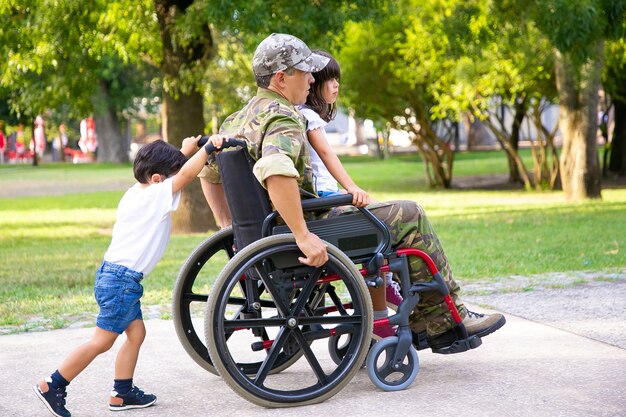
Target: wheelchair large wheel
x=289 y=312
x=191 y=292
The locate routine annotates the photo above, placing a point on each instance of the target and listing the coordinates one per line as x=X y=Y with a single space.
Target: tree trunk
x=521 y=108
x=184 y=119
x=110 y=141
x=182 y=113
x=578 y=94
x=512 y=154
x=617 y=162
x=436 y=154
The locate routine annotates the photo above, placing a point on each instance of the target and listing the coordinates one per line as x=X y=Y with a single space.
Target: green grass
x=50 y=246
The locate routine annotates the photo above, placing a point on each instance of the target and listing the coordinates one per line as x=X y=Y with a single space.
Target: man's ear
x=279 y=78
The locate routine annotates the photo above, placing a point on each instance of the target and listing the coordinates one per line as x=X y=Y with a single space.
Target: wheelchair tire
x=337 y=346
x=290 y=311
x=192 y=286
x=380 y=370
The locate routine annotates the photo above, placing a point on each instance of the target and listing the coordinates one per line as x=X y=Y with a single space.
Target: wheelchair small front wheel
x=387 y=375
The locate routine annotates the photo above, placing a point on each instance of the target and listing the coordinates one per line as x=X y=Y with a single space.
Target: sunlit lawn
x=51 y=246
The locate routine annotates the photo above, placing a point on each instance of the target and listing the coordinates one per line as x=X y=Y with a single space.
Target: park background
x=550 y=198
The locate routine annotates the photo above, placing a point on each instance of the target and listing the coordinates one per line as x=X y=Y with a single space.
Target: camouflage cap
x=280 y=51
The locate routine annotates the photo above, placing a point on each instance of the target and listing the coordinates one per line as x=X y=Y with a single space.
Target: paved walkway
x=525 y=369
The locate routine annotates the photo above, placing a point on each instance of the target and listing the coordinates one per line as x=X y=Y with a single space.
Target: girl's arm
x=336 y=169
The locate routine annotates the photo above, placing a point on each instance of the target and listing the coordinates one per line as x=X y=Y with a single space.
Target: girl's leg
x=379 y=298
x=83 y=355
x=126 y=359
x=379 y=304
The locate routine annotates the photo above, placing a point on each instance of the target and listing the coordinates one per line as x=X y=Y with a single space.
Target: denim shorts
x=117 y=292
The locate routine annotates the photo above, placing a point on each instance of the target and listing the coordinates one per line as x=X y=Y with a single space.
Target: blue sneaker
x=53 y=399
x=135 y=398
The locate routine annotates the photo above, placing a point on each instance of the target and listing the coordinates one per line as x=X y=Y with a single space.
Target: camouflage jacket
x=276 y=134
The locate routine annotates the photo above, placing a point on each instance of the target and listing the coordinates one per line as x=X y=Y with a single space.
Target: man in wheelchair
x=275 y=132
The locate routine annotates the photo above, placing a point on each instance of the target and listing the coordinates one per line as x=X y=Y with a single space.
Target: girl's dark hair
x=158 y=157
x=315 y=100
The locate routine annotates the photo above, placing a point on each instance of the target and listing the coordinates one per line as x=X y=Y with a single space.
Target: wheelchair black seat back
x=247 y=200
x=267 y=312
x=359 y=235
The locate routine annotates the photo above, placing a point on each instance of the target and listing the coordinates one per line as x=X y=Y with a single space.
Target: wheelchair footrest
x=461 y=345
x=420 y=340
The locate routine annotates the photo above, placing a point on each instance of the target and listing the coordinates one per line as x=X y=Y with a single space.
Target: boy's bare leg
x=214 y=194
x=83 y=355
x=126 y=359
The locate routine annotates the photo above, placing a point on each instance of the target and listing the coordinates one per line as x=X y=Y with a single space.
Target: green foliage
x=369 y=85
x=572 y=26
x=314 y=21
x=50 y=246
x=61 y=53
x=614 y=75
x=228 y=81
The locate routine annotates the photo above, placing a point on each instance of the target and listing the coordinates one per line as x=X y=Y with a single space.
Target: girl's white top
x=143 y=226
x=324 y=181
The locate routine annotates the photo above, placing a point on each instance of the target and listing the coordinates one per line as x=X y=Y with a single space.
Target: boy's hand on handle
x=359 y=197
x=190 y=145
x=314 y=250
x=215 y=141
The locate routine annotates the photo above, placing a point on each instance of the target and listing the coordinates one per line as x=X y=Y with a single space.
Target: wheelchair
x=265 y=312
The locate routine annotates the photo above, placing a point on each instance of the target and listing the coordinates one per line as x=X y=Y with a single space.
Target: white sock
x=381 y=314
x=388 y=278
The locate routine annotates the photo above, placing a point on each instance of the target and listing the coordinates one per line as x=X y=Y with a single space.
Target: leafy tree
x=577 y=30
x=65 y=54
x=503 y=69
x=228 y=81
x=388 y=79
x=58 y=62
x=189 y=31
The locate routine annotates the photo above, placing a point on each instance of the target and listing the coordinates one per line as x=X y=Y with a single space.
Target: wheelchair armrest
x=312 y=204
x=326 y=202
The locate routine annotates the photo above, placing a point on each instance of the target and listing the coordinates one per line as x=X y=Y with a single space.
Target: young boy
x=140 y=236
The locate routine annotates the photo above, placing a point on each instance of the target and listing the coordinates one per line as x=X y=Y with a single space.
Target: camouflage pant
x=410 y=228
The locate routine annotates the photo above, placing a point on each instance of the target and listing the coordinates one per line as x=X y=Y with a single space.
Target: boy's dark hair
x=158 y=157
x=314 y=100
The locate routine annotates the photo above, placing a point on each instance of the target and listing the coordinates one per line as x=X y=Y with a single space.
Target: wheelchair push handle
x=204 y=141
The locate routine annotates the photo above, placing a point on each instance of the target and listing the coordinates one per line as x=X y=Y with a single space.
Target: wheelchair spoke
x=336 y=301
x=349 y=319
x=254 y=323
x=306 y=292
x=310 y=356
x=273 y=291
x=227 y=246
x=191 y=296
x=385 y=371
x=268 y=363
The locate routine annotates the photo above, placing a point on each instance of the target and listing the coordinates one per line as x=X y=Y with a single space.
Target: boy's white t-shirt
x=143 y=226
x=324 y=181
